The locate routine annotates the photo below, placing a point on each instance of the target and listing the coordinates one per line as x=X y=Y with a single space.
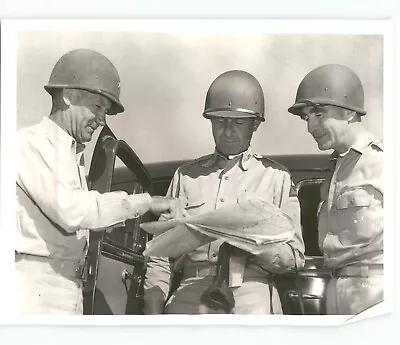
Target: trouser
x=252 y=297
x=352 y=295
x=39 y=289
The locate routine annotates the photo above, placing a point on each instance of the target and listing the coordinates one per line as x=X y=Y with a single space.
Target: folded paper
x=250 y=225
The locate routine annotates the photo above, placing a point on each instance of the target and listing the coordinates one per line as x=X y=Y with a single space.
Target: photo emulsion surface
x=174 y=169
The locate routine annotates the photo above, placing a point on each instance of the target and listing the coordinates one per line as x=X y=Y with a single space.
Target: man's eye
x=239 y=121
x=304 y=117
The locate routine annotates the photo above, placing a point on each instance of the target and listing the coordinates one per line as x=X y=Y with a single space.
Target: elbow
x=68 y=220
x=67 y=224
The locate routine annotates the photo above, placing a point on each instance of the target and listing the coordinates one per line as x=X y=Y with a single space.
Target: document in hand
x=250 y=225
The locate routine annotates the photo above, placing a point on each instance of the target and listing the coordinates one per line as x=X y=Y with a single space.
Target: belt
x=65 y=268
x=199 y=271
x=358 y=271
x=211 y=270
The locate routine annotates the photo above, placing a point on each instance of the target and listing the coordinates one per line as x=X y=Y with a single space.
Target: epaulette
x=268 y=162
x=185 y=168
x=203 y=158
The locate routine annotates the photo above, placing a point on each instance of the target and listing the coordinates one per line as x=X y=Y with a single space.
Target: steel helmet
x=330 y=85
x=235 y=94
x=87 y=70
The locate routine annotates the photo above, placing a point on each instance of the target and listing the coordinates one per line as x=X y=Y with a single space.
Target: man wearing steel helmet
x=331 y=100
x=235 y=107
x=54 y=207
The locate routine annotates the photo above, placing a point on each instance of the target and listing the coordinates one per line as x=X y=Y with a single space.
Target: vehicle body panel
x=115 y=285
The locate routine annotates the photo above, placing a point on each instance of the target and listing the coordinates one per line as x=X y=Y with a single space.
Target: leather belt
x=361 y=271
x=65 y=268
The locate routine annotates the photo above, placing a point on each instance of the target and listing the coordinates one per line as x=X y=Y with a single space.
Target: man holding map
x=231 y=175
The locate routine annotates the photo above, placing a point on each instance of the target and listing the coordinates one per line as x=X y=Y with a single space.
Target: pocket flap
x=195 y=202
x=354 y=198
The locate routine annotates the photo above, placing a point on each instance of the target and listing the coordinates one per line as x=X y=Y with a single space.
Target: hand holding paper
x=249 y=225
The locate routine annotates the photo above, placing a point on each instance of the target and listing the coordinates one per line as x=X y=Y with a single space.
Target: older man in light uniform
x=54 y=207
x=331 y=100
x=235 y=107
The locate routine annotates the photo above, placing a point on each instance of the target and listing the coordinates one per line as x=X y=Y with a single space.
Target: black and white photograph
x=198 y=167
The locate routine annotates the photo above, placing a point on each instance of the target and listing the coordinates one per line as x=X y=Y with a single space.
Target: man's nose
x=228 y=127
x=101 y=118
x=312 y=123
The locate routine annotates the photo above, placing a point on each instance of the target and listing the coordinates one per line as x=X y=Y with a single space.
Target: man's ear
x=350 y=115
x=69 y=96
x=257 y=122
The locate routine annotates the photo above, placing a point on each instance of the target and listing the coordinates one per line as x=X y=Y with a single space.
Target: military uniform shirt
x=351 y=214
x=211 y=182
x=54 y=206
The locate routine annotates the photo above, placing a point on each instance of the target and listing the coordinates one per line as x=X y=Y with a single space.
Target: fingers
x=170 y=208
x=176 y=209
x=185 y=213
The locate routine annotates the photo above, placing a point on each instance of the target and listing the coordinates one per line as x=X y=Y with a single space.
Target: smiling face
x=233 y=135
x=328 y=124
x=87 y=111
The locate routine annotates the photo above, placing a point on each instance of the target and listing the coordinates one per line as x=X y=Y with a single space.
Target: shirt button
x=222 y=199
x=226 y=177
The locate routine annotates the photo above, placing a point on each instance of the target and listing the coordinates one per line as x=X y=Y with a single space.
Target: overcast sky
x=165 y=77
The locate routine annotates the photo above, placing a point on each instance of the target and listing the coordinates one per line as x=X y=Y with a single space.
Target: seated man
x=235 y=106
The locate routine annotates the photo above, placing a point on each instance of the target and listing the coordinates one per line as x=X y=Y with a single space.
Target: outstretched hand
x=169 y=207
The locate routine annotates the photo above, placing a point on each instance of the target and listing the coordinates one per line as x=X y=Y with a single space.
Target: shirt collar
x=363 y=140
x=59 y=137
x=244 y=160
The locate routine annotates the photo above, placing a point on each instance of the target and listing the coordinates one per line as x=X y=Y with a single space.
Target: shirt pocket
x=355 y=222
x=354 y=198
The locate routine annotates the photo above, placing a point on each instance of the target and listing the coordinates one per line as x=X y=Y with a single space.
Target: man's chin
x=324 y=146
x=230 y=151
x=86 y=138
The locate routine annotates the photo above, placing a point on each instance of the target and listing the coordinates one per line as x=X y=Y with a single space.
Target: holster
x=218 y=295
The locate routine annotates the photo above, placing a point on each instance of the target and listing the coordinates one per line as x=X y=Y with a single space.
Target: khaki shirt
x=213 y=181
x=351 y=213
x=54 y=207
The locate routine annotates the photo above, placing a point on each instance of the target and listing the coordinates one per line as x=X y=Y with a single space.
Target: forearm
x=282 y=257
x=81 y=209
x=51 y=180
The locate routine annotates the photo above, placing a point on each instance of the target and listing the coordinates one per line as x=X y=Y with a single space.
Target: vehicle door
x=303 y=291
x=115 y=264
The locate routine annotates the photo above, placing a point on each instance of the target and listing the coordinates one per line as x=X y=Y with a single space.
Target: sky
x=165 y=76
